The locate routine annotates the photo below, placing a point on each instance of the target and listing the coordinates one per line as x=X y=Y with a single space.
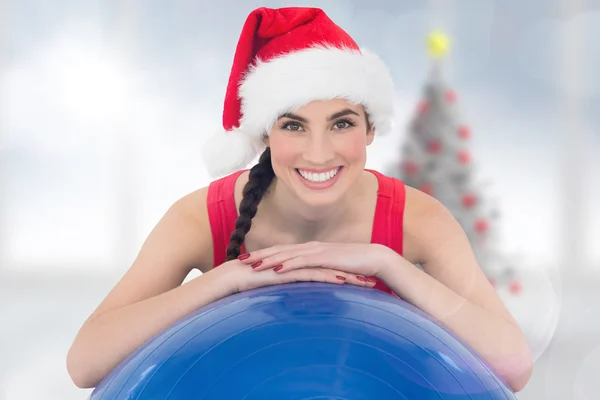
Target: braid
x=259 y=180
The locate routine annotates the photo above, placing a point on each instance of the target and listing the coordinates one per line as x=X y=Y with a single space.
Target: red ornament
x=423 y=107
x=434 y=147
x=464 y=157
x=451 y=96
x=515 y=287
x=410 y=167
x=464 y=132
x=481 y=225
x=469 y=200
x=427 y=188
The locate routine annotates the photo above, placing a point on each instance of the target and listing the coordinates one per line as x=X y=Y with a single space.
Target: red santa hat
x=286 y=58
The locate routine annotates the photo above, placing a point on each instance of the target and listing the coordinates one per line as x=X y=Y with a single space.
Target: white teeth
x=318 y=177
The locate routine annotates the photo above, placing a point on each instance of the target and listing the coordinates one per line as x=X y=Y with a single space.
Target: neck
x=311 y=222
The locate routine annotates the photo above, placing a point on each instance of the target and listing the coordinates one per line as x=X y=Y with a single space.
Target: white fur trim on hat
x=290 y=81
x=226 y=152
x=319 y=73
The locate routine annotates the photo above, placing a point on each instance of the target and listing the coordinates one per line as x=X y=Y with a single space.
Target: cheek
x=282 y=151
x=353 y=148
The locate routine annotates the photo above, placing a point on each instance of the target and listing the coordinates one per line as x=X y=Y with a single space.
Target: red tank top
x=387 y=223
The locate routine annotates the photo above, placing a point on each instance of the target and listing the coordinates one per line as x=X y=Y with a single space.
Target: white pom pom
x=229 y=151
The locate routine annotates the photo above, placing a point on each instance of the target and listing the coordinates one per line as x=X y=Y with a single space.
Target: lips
x=318 y=176
x=319 y=180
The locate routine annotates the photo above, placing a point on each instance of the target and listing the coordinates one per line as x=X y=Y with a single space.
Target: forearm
x=499 y=342
x=104 y=341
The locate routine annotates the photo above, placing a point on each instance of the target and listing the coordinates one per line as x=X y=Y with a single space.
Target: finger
x=259 y=255
x=347 y=277
x=262 y=254
x=327 y=275
x=283 y=258
x=360 y=280
x=309 y=260
x=315 y=275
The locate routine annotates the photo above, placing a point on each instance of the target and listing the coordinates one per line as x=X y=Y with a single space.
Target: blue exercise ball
x=304 y=341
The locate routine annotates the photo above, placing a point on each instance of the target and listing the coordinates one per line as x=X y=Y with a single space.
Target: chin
x=320 y=200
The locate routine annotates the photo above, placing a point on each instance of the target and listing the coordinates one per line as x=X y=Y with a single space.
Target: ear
x=265 y=140
x=370 y=136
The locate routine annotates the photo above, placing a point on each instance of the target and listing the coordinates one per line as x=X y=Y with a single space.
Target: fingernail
x=372 y=280
x=277 y=268
x=361 y=278
x=341 y=278
x=243 y=256
x=256 y=264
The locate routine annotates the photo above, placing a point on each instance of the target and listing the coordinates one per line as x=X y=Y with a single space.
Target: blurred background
x=104 y=107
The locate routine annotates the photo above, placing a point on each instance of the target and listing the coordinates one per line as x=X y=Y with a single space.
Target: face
x=319 y=151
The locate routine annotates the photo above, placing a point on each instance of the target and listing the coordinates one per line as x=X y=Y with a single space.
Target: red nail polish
x=372 y=280
x=277 y=268
x=361 y=278
x=256 y=264
x=243 y=256
x=341 y=278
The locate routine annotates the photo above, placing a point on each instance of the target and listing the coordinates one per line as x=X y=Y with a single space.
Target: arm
x=453 y=289
x=150 y=297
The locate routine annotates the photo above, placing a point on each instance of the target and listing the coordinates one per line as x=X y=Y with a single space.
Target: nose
x=319 y=150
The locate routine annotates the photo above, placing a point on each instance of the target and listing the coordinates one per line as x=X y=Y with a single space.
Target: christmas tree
x=436 y=158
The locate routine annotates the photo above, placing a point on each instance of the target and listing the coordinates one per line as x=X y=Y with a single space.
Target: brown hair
x=259 y=180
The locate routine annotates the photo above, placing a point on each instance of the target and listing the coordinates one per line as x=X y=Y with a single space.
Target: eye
x=344 y=124
x=291 y=126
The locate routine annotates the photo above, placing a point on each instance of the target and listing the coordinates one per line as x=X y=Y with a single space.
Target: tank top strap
x=389 y=212
x=222 y=214
x=387 y=223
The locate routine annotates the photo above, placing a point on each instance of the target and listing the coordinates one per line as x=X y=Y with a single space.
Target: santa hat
x=286 y=58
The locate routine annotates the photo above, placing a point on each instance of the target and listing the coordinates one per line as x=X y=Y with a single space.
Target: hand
x=243 y=277
x=362 y=259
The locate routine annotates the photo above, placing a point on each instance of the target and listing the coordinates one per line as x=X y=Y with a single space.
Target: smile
x=318 y=176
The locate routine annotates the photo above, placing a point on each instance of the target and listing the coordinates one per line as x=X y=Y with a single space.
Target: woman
x=302 y=90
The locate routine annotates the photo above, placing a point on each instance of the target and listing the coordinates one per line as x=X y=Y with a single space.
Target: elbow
x=80 y=372
x=518 y=374
x=514 y=365
x=520 y=380
x=82 y=382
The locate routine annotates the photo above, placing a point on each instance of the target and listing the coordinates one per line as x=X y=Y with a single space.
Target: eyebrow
x=338 y=114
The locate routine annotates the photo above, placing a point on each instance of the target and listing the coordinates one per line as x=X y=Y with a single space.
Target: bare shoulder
x=191 y=212
x=422 y=215
x=430 y=225
x=180 y=241
x=431 y=229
